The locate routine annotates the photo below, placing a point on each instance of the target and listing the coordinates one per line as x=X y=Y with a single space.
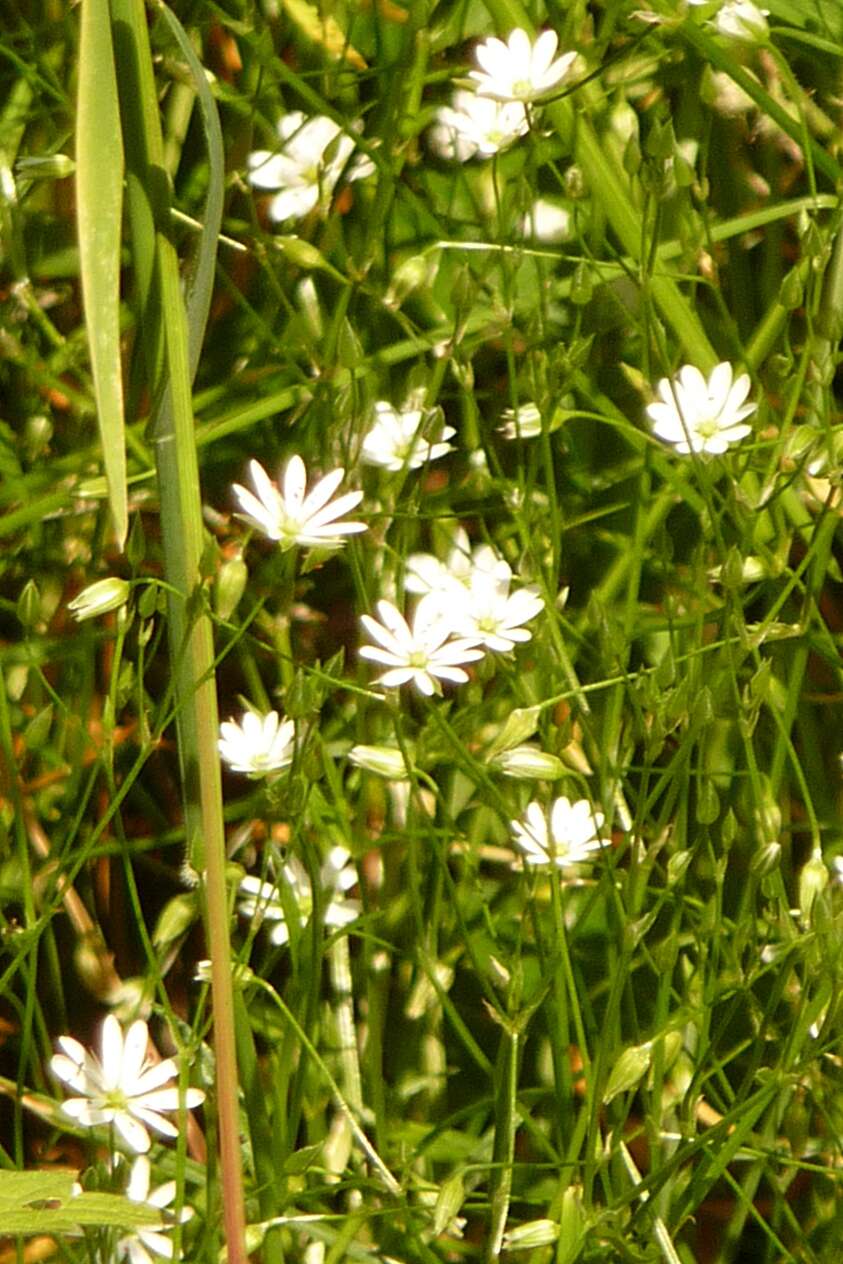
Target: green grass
x=637 y=1059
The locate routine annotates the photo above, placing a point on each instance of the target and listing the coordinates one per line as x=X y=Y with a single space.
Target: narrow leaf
x=200 y=274
x=99 y=200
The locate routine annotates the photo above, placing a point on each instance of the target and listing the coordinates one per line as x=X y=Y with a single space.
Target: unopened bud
x=408 y=276
x=29 y=605
x=386 y=761
x=99 y=598
x=533 y=1233
x=175 y=919
x=301 y=252
x=767 y=860
x=813 y=880
x=529 y=763
x=229 y=586
x=46 y=167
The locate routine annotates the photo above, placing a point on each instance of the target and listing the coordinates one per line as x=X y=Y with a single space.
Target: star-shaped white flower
x=494 y=617
x=122 y=1087
x=472 y=589
x=259 y=744
x=140 y=1245
x=426 y=574
x=696 y=415
x=395 y=443
x=263 y=900
x=520 y=70
x=311 y=159
x=569 y=838
x=425 y=654
x=473 y=125
x=295 y=516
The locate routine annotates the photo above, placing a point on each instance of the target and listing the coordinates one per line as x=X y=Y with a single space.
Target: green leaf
x=99 y=202
x=200 y=274
x=19 y=1191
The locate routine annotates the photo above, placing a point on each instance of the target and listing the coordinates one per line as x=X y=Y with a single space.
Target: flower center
x=708 y=427
x=115 y=1099
x=417 y=659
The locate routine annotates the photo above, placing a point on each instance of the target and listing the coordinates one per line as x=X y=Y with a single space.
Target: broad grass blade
x=99 y=198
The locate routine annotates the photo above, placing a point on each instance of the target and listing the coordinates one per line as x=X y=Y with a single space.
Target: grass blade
x=99 y=199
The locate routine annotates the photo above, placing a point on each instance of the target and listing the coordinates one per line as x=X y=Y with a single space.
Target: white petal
x=293 y=203
x=294 y=484
x=135 y=1046
x=132 y=1132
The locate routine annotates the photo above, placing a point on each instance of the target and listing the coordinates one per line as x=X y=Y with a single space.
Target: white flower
x=308 y=165
x=424 y=654
x=476 y=125
x=491 y=616
x=572 y=834
x=523 y=422
x=258 y=744
x=395 y=443
x=426 y=574
x=519 y=70
x=547 y=222
x=472 y=591
x=290 y=516
x=124 y=1086
x=264 y=899
x=696 y=415
x=140 y=1245
x=742 y=20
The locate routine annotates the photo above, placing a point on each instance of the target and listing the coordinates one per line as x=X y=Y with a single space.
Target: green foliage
x=634 y=1058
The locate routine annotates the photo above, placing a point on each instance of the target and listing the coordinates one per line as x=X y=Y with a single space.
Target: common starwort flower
x=472 y=125
x=123 y=1086
x=305 y=170
x=696 y=415
x=518 y=69
x=259 y=744
x=292 y=517
x=492 y=616
x=741 y=20
x=425 y=653
x=568 y=838
x=140 y=1245
x=263 y=900
x=426 y=574
x=394 y=441
x=472 y=589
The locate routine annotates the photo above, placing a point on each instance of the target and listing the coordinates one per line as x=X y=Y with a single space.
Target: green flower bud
x=229 y=586
x=529 y=763
x=29 y=605
x=813 y=880
x=531 y=1234
x=628 y=1071
x=411 y=273
x=767 y=860
x=386 y=761
x=45 y=167
x=99 y=598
